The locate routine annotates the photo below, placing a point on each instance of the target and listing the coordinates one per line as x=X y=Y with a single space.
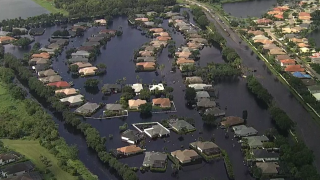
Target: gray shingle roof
x=207 y=103
x=114 y=107
x=155 y=159
x=23 y=166
x=179 y=124
x=87 y=108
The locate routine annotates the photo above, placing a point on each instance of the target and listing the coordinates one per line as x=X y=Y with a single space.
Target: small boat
x=71 y=83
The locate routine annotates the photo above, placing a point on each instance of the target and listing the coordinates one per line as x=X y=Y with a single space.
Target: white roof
x=199 y=86
x=137 y=87
x=317 y=96
x=81 y=53
x=73 y=99
x=155 y=86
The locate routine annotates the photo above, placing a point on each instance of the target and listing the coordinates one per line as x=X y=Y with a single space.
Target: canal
x=254 y=8
x=10 y=9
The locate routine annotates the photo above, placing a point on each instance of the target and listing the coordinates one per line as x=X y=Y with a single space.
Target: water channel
x=254 y=8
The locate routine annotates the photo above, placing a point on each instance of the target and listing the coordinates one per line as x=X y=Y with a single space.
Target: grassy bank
x=48 y=5
x=33 y=150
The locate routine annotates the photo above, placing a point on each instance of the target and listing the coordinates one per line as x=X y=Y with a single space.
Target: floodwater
x=254 y=8
x=316 y=36
x=10 y=9
x=117 y=55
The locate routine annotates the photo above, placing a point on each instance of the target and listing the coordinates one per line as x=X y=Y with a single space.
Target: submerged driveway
x=306 y=127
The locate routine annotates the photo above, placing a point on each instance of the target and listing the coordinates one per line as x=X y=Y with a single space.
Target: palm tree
x=161 y=67
x=137 y=77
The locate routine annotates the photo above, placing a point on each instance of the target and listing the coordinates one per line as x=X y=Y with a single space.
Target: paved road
x=307 y=128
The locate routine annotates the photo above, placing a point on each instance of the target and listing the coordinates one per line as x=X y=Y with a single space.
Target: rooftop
x=114 y=107
x=180 y=124
x=87 y=108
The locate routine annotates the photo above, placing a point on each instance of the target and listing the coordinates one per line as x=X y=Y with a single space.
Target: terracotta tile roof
x=68 y=91
x=264 y=21
x=136 y=103
x=6 y=38
x=146 y=64
x=279 y=16
x=163 y=102
x=183 y=54
x=82 y=64
x=60 y=84
x=44 y=55
x=303 y=45
x=294 y=68
x=255 y=32
x=263 y=41
x=161 y=38
x=146 y=53
x=156 y=30
x=281 y=8
x=288 y=61
x=275 y=12
x=129 y=149
x=184 y=61
x=142 y=19
x=304 y=14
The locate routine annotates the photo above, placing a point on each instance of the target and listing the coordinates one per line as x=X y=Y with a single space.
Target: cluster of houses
x=8 y=37
x=13 y=167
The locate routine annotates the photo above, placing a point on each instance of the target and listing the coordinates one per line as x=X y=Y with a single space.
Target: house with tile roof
x=287 y=62
x=155 y=160
x=50 y=79
x=60 y=84
x=88 y=71
x=185 y=156
x=82 y=64
x=294 y=68
x=87 y=109
x=129 y=150
x=161 y=102
x=44 y=55
x=231 y=121
x=46 y=73
x=146 y=66
x=68 y=91
x=73 y=100
x=207 y=147
x=134 y=104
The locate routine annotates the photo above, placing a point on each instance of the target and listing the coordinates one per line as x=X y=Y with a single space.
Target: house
x=163 y=38
x=36 y=31
x=155 y=160
x=82 y=54
x=51 y=79
x=6 y=158
x=146 y=53
x=159 y=86
x=281 y=8
x=256 y=141
x=264 y=155
x=131 y=136
x=258 y=32
x=149 y=48
x=269 y=46
x=316 y=96
x=214 y=111
x=129 y=150
x=67 y=92
x=148 y=66
x=6 y=39
x=170 y=14
x=161 y=34
x=185 y=156
x=140 y=15
x=88 y=71
x=73 y=100
x=302 y=45
x=111 y=88
x=108 y=31
x=287 y=62
x=207 y=147
x=146 y=59
x=46 y=73
x=149 y=24
x=101 y=22
x=178 y=125
x=198 y=40
x=78 y=59
x=74 y=28
x=143 y=19
x=114 y=107
x=277 y=51
x=54 y=46
x=194 y=80
x=304 y=50
x=243 y=131
x=301 y=75
x=314 y=89
x=90 y=43
x=282 y=57
x=158 y=44
x=87 y=109
x=263 y=41
x=137 y=87
x=157 y=131
x=156 y=30
x=17 y=169
x=40 y=67
x=192 y=45
x=35 y=61
x=206 y=103
x=95 y=39
x=304 y=16
x=134 y=104
x=264 y=21
x=202 y=95
x=183 y=54
x=199 y=87
x=184 y=61
x=82 y=65
x=231 y=121
x=161 y=102
x=50 y=51
x=278 y=16
x=259 y=37
x=294 y=68
x=43 y=55
x=268 y=168
x=86 y=48
x=60 y=84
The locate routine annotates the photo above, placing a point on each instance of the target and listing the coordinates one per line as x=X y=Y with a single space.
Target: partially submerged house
x=6 y=158
x=268 y=168
x=159 y=87
x=155 y=160
x=73 y=100
x=264 y=156
x=215 y=112
x=87 y=109
x=17 y=169
x=131 y=136
x=202 y=95
x=243 y=131
x=134 y=104
x=161 y=102
x=146 y=59
x=60 y=84
x=256 y=141
x=129 y=150
x=78 y=59
x=199 y=87
x=194 y=80
x=44 y=55
x=206 y=103
x=157 y=131
x=67 y=92
x=137 y=87
x=185 y=156
x=82 y=54
x=111 y=88
x=51 y=79
x=178 y=125
x=207 y=147
x=146 y=66
x=88 y=71
x=231 y=121
x=46 y=73
x=82 y=65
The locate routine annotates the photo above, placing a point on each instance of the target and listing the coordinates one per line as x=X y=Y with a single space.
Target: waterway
x=10 y=9
x=316 y=36
x=254 y=8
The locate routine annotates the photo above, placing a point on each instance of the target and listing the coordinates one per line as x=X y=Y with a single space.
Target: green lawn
x=32 y=150
x=48 y=4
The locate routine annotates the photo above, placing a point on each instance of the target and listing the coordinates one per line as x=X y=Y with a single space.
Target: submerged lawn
x=33 y=150
x=49 y=5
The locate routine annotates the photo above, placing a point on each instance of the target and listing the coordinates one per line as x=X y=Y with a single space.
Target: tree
x=257 y=172
x=145 y=109
x=79 y=32
x=203 y=21
x=102 y=68
x=161 y=67
x=91 y=83
x=209 y=120
x=74 y=68
x=17 y=92
x=145 y=94
x=190 y=95
x=22 y=42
